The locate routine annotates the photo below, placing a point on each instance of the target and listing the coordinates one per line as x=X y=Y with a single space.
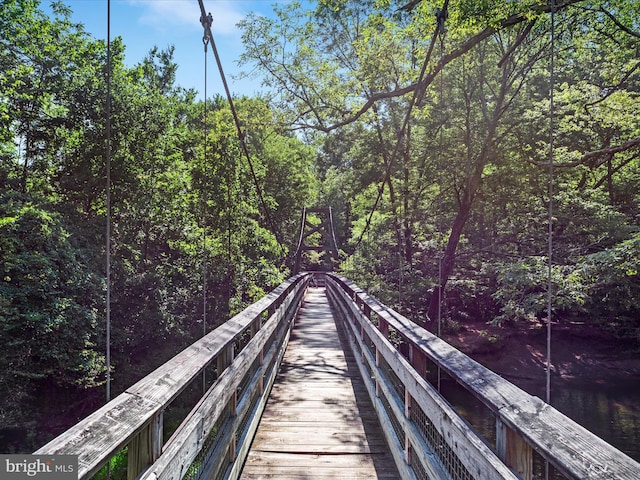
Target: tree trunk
x=449 y=255
x=465 y=202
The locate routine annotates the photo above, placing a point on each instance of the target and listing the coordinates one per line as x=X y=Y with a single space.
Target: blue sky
x=145 y=23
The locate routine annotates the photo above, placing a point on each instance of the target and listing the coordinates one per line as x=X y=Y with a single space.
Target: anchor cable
x=236 y=119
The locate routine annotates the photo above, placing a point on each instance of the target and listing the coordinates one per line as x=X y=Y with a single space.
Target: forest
x=440 y=141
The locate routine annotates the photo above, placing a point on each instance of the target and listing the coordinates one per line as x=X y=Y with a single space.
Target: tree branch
x=622 y=27
x=627 y=161
x=445 y=60
x=517 y=43
x=606 y=153
x=613 y=89
x=634 y=142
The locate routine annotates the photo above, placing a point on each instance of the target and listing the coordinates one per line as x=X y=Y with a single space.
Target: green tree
x=469 y=175
x=49 y=303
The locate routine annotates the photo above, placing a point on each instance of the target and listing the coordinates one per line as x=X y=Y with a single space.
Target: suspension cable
x=550 y=212
x=205 y=42
x=108 y=232
x=418 y=94
x=440 y=155
x=108 y=226
x=241 y=135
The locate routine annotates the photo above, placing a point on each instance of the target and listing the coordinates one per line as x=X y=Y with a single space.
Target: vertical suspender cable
x=441 y=31
x=108 y=174
x=440 y=148
x=205 y=41
x=550 y=212
x=108 y=232
x=229 y=238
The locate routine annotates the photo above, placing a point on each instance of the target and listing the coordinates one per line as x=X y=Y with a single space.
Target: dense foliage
x=183 y=220
x=462 y=152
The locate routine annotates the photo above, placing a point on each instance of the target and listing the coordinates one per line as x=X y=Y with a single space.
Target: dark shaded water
x=611 y=411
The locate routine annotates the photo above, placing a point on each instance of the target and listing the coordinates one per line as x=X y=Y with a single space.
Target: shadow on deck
x=319 y=421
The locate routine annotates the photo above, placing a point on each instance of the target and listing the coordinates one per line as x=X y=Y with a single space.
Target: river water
x=611 y=411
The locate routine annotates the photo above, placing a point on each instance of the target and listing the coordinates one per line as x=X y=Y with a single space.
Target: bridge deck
x=319 y=422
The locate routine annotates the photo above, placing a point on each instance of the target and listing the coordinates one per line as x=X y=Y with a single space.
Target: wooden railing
x=428 y=438
x=244 y=353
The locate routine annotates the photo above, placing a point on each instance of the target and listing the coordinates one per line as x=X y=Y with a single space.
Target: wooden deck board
x=319 y=421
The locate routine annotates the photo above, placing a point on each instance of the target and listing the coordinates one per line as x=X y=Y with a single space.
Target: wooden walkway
x=319 y=422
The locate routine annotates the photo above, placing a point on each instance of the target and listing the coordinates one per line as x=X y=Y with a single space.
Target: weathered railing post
x=224 y=359
x=418 y=360
x=366 y=309
x=384 y=330
x=145 y=448
x=233 y=412
x=407 y=414
x=514 y=451
x=377 y=376
x=383 y=327
x=255 y=328
x=367 y=313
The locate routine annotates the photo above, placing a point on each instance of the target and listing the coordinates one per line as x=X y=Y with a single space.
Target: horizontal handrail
x=134 y=417
x=520 y=417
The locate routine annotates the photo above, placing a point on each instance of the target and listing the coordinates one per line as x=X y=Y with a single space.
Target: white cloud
x=167 y=15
